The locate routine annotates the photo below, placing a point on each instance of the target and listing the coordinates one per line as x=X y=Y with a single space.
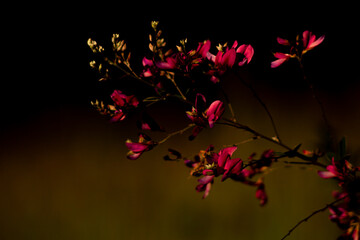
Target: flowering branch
x=187 y=75
x=290 y=153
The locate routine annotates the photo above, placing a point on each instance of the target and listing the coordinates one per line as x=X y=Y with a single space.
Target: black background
x=46 y=55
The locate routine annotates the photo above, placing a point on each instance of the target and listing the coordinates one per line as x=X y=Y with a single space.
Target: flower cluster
x=209 y=164
x=186 y=74
x=347 y=213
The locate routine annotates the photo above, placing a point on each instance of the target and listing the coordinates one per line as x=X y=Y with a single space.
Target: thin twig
x=176 y=133
x=242 y=142
x=257 y=97
x=312 y=214
x=130 y=74
x=228 y=103
x=315 y=95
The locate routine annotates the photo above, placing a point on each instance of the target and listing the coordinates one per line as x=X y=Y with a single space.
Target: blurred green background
x=64 y=172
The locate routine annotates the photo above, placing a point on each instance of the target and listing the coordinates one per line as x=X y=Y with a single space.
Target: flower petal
x=136 y=147
x=118 y=97
x=204 y=48
x=317 y=42
x=229 y=57
x=133 y=156
x=326 y=174
x=225 y=154
x=147 y=62
x=276 y=63
x=214 y=112
x=283 y=41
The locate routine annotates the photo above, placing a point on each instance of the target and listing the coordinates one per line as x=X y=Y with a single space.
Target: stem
x=243 y=142
x=176 y=133
x=291 y=152
x=177 y=88
x=228 y=103
x=312 y=214
x=257 y=97
x=315 y=95
x=130 y=74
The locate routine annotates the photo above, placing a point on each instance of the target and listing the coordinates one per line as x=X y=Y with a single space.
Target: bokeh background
x=63 y=167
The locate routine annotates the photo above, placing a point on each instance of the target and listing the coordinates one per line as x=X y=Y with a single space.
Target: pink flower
x=246 y=51
x=282 y=57
x=169 y=63
x=334 y=170
x=148 y=65
x=227 y=166
x=297 y=49
x=214 y=112
x=205 y=185
x=225 y=59
x=121 y=100
x=203 y=48
x=260 y=192
x=122 y=104
x=199 y=116
x=118 y=115
x=310 y=41
x=136 y=149
x=342 y=170
x=224 y=155
x=233 y=167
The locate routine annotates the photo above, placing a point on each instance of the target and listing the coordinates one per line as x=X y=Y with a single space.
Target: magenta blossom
x=214 y=112
x=205 y=185
x=169 y=63
x=310 y=41
x=203 y=48
x=282 y=57
x=226 y=59
x=136 y=149
x=297 y=48
x=338 y=170
x=227 y=166
x=122 y=103
x=245 y=52
x=121 y=100
x=199 y=116
x=260 y=192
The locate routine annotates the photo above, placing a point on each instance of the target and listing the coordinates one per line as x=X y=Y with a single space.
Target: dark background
x=63 y=169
